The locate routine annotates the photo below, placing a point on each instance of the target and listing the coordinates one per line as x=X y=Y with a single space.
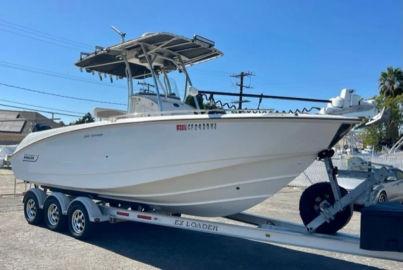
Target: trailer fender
x=39 y=194
x=94 y=213
x=63 y=200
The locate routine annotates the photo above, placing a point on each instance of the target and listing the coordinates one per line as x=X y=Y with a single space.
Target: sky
x=294 y=48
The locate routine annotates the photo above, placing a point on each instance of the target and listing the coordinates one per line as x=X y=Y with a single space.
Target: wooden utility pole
x=241 y=85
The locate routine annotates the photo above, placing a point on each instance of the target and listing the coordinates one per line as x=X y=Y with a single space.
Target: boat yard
x=144 y=246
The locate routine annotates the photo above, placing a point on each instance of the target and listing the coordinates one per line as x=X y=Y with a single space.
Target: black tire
x=309 y=207
x=79 y=224
x=114 y=204
x=382 y=198
x=118 y=204
x=32 y=212
x=52 y=214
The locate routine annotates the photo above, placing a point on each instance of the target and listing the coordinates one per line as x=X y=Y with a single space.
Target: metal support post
x=331 y=172
x=15 y=186
x=153 y=74
x=129 y=83
x=188 y=81
x=326 y=155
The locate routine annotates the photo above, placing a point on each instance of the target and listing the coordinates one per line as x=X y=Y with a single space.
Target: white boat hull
x=207 y=165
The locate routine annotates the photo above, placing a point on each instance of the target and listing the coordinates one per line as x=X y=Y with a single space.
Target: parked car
x=389 y=191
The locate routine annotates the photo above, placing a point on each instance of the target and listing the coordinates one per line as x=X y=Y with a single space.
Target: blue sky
x=295 y=48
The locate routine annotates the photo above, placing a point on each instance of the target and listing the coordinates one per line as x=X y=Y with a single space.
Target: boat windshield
x=174 y=90
x=166 y=84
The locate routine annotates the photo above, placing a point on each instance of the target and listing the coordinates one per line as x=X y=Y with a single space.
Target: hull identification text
x=196 y=127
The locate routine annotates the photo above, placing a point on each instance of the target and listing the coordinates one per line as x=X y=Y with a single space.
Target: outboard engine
x=349 y=103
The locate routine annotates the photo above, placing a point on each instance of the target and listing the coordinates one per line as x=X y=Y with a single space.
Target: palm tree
x=87 y=118
x=391 y=82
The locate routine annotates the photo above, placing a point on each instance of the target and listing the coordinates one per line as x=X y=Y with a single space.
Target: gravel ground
x=139 y=246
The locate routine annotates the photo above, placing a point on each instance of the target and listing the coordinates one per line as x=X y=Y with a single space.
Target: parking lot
x=140 y=246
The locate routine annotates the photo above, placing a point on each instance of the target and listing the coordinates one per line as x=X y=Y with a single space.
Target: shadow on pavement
x=170 y=248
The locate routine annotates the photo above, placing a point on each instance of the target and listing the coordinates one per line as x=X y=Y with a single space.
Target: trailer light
x=144 y=217
x=122 y=213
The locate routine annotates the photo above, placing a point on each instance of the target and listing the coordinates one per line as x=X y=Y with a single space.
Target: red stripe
x=181 y=127
x=144 y=217
x=122 y=213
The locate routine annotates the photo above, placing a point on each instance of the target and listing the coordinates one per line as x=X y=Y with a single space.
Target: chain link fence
x=9 y=185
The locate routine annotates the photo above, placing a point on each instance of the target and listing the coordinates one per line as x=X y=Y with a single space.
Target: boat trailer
x=265 y=230
x=94 y=210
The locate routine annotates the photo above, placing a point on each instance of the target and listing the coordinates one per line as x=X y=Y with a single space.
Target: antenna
x=120 y=33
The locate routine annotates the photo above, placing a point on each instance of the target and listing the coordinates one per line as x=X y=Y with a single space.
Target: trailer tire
x=32 y=211
x=309 y=207
x=114 y=204
x=53 y=215
x=79 y=223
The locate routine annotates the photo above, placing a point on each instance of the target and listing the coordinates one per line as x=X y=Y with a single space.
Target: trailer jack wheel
x=317 y=197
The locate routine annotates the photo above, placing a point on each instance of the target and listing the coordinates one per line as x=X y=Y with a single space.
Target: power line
x=40 y=35
x=59 y=95
x=40 y=107
x=35 y=110
x=38 y=39
x=24 y=68
x=29 y=29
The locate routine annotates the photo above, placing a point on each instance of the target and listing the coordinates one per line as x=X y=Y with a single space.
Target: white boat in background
x=166 y=154
x=5 y=152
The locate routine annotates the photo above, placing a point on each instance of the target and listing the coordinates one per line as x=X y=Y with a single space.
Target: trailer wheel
x=32 y=212
x=309 y=207
x=54 y=218
x=79 y=223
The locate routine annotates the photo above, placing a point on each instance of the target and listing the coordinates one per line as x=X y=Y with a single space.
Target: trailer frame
x=264 y=229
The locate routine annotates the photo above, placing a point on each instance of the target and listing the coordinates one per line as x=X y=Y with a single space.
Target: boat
x=170 y=154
